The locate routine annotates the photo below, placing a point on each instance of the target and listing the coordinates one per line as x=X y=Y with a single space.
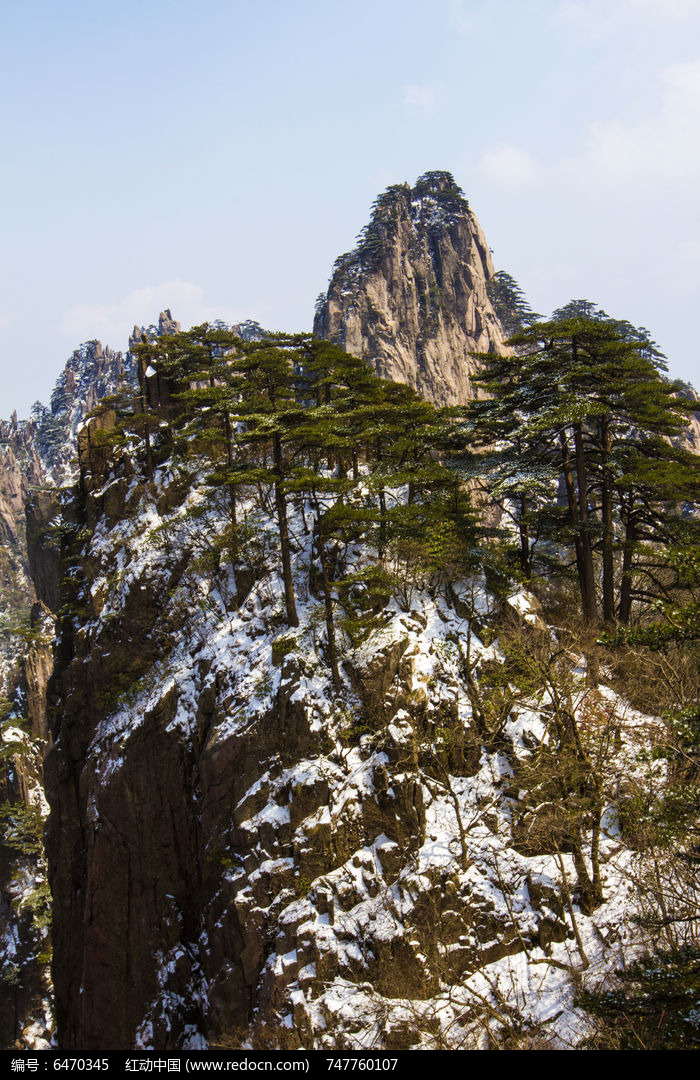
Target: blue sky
x=217 y=158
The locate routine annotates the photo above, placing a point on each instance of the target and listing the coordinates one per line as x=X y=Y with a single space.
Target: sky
x=216 y=158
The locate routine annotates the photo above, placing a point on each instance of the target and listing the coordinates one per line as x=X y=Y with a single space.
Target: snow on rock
x=298 y=867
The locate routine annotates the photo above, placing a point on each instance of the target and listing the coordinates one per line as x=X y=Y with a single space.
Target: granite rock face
x=690 y=438
x=92 y=372
x=412 y=298
x=242 y=853
x=165 y=325
x=234 y=849
x=20 y=469
x=41 y=453
x=36 y=456
x=239 y=853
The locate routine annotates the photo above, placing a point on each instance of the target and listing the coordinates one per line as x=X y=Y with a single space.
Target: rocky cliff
x=41 y=453
x=690 y=439
x=244 y=854
x=435 y=846
x=412 y=296
x=20 y=470
x=92 y=372
x=36 y=455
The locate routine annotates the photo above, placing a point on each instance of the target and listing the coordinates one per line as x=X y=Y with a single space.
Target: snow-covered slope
x=240 y=855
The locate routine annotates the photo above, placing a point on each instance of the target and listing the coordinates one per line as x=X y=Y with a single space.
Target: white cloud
x=662 y=146
x=112 y=323
x=683 y=82
x=465 y=20
x=510 y=166
x=681 y=269
x=657 y=152
x=423 y=97
x=599 y=18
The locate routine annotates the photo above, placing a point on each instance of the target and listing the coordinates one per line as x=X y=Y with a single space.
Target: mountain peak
x=438 y=182
x=411 y=296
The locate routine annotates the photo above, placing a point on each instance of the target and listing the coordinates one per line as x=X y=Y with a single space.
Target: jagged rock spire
x=166 y=325
x=411 y=297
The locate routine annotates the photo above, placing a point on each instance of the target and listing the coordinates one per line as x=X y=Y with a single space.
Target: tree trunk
x=382 y=508
x=595 y=853
x=573 y=514
x=591 y=888
x=607 y=508
x=147 y=434
x=525 y=560
x=626 y=580
x=229 y=459
x=588 y=589
x=281 y=507
x=587 y=901
x=327 y=604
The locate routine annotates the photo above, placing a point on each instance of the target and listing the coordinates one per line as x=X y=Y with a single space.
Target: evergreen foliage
x=442 y=187
x=656 y=1005
x=296 y=418
x=437 y=188
x=509 y=303
x=572 y=440
x=576 y=434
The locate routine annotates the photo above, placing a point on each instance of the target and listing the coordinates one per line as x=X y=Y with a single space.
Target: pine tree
x=569 y=403
x=509 y=303
x=269 y=412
